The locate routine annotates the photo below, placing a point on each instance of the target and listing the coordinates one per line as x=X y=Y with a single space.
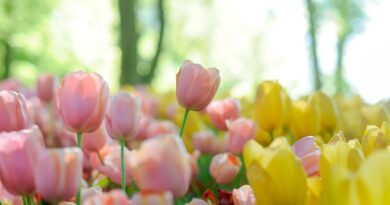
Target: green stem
x=78 y=198
x=122 y=142
x=184 y=122
x=30 y=200
x=24 y=200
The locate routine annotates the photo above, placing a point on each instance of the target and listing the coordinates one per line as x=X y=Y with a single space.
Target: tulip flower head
x=13 y=111
x=309 y=153
x=224 y=167
x=115 y=197
x=159 y=198
x=46 y=87
x=241 y=131
x=222 y=111
x=244 y=196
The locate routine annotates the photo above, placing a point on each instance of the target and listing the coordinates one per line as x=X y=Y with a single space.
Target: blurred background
x=339 y=46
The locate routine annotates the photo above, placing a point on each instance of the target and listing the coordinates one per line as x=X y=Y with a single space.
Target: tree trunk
x=341 y=84
x=313 y=44
x=154 y=63
x=128 y=43
x=7 y=59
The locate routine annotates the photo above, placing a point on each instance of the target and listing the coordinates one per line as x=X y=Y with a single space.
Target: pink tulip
x=114 y=197
x=162 y=127
x=82 y=100
x=162 y=164
x=196 y=86
x=64 y=137
x=223 y=110
x=87 y=193
x=95 y=141
x=309 y=153
x=162 y=198
x=46 y=87
x=144 y=123
x=244 y=196
x=207 y=142
x=224 y=167
x=241 y=131
x=58 y=173
x=112 y=164
x=11 y=84
x=196 y=201
x=149 y=102
x=13 y=111
x=18 y=156
x=123 y=116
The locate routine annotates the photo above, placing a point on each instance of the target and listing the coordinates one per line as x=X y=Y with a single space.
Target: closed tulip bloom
x=95 y=141
x=162 y=127
x=159 y=198
x=13 y=111
x=112 y=164
x=162 y=164
x=224 y=167
x=144 y=123
x=123 y=116
x=222 y=111
x=374 y=139
x=207 y=142
x=327 y=111
x=196 y=86
x=18 y=156
x=309 y=153
x=58 y=173
x=241 y=131
x=305 y=119
x=46 y=87
x=82 y=100
x=244 y=196
x=196 y=201
x=114 y=197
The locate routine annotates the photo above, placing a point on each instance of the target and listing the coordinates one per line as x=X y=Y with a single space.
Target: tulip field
x=75 y=141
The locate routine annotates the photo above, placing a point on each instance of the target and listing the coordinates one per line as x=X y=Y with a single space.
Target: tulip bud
x=224 y=167
x=162 y=198
x=46 y=87
x=196 y=86
x=309 y=153
x=206 y=142
x=116 y=197
x=144 y=123
x=327 y=111
x=244 y=196
x=18 y=156
x=82 y=100
x=112 y=164
x=241 y=131
x=222 y=111
x=162 y=164
x=95 y=141
x=163 y=127
x=374 y=139
x=13 y=111
x=196 y=201
x=123 y=116
x=305 y=119
x=58 y=173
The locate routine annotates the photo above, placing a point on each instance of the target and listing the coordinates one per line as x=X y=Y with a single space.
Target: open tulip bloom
x=131 y=148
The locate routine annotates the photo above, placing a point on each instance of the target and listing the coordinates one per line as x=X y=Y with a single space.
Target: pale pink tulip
x=244 y=196
x=309 y=153
x=123 y=116
x=13 y=111
x=241 y=131
x=64 y=137
x=224 y=167
x=46 y=87
x=114 y=197
x=145 y=121
x=162 y=127
x=112 y=164
x=18 y=156
x=95 y=141
x=162 y=164
x=196 y=86
x=196 y=201
x=207 y=142
x=159 y=198
x=149 y=102
x=82 y=100
x=58 y=173
x=87 y=193
x=222 y=111
x=11 y=84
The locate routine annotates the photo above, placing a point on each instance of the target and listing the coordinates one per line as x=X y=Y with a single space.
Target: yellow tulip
x=375 y=114
x=314 y=190
x=374 y=139
x=275 y=174
x=305 y=119
x=327 y=110
x=270 y=105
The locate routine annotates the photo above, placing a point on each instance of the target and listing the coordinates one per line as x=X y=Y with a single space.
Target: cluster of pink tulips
x=73 y=143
